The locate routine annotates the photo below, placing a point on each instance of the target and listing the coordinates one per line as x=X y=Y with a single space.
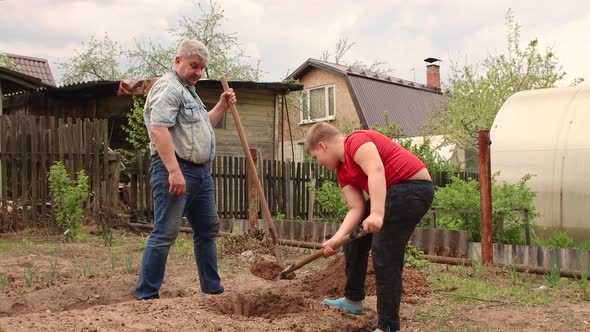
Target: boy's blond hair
x=320 y=132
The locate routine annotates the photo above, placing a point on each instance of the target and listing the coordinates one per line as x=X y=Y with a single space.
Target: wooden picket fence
x=284 y=184
x=29 y=145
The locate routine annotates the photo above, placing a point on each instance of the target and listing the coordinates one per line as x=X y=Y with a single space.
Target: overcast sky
x=283 y=34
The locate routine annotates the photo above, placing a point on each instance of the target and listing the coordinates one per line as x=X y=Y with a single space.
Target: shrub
x=560 y=239
x=464 y=195
x=329 y=198
x=68 y=196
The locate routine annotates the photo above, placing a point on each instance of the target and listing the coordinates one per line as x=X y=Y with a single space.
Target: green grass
x=553 y=276
x=4 y=281
x=456 y=290
x=129 y=264
x=88 y=271
x=29 y=276
x=484 y=286
x=583 y=280
x=182 y=248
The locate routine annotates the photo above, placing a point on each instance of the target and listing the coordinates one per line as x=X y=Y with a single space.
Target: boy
x=401 y=192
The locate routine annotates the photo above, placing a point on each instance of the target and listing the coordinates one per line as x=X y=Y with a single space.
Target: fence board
x=24 y=169
x=3 y=172
x=280 y=180
x=14 y=150
x=34 y=170
x=43 y=170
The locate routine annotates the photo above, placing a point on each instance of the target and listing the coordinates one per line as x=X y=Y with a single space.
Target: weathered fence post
x=310 y=204
x=527 y=227
x=433 y=218
x=485 y=197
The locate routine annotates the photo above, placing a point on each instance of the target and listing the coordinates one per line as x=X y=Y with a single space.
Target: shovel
x=357 y=233
x=252 y=167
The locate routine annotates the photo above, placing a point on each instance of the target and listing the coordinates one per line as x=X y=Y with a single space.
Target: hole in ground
x=258 y=305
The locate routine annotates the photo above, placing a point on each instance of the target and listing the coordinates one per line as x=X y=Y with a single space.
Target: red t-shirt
x=399 y=163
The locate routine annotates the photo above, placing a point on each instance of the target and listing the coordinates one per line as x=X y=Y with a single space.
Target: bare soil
x=89 y=287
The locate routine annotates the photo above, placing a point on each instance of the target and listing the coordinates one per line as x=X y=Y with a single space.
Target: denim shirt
x=173 y=104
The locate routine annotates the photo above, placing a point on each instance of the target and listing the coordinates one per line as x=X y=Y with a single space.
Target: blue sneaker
x=342 y=305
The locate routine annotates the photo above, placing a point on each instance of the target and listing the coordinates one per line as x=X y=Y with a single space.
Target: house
x=113 y=100
x=351 y=99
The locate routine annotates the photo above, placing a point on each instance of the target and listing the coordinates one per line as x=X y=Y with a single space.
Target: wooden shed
x=257 y=104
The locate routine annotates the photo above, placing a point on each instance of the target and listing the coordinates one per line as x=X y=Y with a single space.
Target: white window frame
x=327 y=106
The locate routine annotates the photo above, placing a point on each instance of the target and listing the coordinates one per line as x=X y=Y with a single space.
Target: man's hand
x=373 y=223
x=328 y=251
x=227 y=97
x=177 y=183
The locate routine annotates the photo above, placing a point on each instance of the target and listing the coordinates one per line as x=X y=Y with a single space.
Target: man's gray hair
x=193 y=47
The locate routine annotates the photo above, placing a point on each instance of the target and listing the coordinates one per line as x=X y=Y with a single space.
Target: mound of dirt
x=268 y=270
x=330 y=281
x=267 y=304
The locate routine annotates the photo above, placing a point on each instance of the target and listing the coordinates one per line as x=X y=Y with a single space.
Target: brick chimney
x=432 y=74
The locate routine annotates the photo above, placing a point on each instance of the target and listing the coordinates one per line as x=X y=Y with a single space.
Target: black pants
x=405 y=205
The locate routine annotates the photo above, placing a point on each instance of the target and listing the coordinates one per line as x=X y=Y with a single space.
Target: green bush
x=137 y=134
x=68 y=196
x=560 y=239
x=464 y=195
x=330 y=199
x=412 y=257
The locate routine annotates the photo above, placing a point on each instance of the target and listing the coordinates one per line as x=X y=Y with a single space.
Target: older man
x=182 y=144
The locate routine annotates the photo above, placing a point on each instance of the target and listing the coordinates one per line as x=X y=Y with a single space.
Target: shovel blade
x=285 y=272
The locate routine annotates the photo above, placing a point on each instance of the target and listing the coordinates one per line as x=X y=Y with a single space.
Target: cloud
x=283 y=34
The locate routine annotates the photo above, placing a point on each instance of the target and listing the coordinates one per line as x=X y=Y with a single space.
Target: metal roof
x=407 y=104
x=408 y=108
x=31 y=66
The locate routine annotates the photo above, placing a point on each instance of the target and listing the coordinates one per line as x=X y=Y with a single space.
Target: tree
x=342 y=47
x=149 y=59
x=227 y=57
x=98 y=60
x=474 y=97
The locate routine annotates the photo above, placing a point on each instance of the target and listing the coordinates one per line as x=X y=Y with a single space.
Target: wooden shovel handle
x=357 y=233
x=253 y=173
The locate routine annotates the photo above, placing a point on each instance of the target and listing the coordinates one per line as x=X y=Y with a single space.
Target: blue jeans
x=405 y=205
x=198 y=205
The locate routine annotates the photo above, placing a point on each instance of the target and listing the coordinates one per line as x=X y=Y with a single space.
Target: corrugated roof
x=131 y=87
x=407 y=107
x=35 y=67
x=407 y=104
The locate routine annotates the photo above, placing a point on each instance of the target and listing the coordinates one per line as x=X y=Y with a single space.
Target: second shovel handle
x=357 y=233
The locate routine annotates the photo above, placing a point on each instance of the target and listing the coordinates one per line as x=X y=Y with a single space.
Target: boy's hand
x=373 y=223
x=328 y=251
